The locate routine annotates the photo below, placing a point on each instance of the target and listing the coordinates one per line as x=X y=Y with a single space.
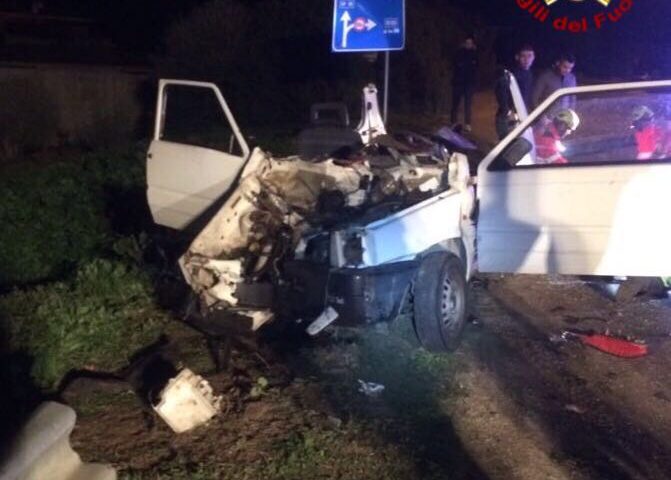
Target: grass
x=348 y=453
x=79 y=298
x=176 y=472
x=96 y=321
x=413 y=377
x=300 y=455
x=365 y=446
x=58 y=211
x=96 y=402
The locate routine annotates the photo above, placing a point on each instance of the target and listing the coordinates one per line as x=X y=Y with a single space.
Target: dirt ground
x=509 y=404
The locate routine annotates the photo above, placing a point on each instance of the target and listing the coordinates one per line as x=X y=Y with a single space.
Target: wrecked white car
x=384 y=223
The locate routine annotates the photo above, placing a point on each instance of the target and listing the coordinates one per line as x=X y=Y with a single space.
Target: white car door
x=196 y=153
x=600 y=212
x=516 y=95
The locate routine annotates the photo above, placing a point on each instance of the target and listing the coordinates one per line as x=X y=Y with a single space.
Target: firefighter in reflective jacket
x=649 y=136
x=549 y=136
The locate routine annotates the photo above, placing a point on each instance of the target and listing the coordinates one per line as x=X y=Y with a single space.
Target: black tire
x=440 y=302
x=632 y=287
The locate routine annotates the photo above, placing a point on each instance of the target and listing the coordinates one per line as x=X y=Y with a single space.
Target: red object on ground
x=615 y=346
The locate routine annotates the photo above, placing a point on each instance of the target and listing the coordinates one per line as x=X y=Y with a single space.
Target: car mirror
x=515 y=151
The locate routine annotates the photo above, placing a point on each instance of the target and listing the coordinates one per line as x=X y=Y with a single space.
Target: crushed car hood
x=279 y=200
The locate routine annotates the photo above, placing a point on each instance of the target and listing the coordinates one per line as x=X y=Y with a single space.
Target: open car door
x=516 y=95
x=196 y=153
x=598 y=205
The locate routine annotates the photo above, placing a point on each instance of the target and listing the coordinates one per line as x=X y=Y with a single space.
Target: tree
x=272 y=58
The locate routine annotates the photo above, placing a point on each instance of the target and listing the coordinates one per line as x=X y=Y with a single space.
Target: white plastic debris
x=557 y=338
x=187 y=402
x=356 y=199
x=575 y=408
x=326 y=318
x=370 y=389
x=429 y=185
x=259 y=317
x=41 y=450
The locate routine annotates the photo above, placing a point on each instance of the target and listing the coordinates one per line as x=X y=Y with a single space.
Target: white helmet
x=569 y=118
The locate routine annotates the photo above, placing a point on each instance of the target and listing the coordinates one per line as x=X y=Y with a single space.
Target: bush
x=116 y=169
x=54 y=216
x=96 y=321
x=280 y=69
x=51 y=218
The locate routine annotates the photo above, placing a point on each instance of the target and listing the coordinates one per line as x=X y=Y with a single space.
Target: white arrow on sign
x=346 y=27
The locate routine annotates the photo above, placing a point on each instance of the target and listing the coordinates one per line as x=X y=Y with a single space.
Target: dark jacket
x=465 y=67
x=550 y=81
x=525 y=80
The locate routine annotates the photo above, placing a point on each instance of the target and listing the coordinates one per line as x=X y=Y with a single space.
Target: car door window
x=194 y=116
x=595 y=128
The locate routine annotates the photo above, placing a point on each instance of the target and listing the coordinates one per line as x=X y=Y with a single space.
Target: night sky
x=644 y=33
x=642 y=37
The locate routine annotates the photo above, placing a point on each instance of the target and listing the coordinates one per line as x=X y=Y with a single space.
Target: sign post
x=386 y=87
x=369 y=26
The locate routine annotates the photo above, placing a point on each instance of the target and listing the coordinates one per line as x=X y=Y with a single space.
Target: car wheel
x=440 y=302
x=634 y=286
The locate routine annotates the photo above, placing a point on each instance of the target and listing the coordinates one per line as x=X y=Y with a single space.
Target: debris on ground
x=335 y=422
x=327 y=317
x=509 y=407
x=187 y=402
x=575 y=408
x=619 y=347
x=370 y=389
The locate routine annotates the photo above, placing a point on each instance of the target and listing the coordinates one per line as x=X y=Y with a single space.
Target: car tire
x=440 y=302
x=651 y=287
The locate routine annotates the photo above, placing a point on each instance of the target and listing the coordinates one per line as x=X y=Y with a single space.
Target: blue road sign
x=368 y=25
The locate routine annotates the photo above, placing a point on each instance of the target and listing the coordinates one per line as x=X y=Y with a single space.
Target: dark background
x=645 y=30
x=273 y=56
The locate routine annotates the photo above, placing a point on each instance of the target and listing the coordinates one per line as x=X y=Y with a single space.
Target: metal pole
x=386 y=86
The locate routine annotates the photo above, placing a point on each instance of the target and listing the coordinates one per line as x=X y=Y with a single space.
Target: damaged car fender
x=343 y=234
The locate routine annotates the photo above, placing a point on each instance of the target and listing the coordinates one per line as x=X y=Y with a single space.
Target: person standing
x=649 y=136
x=548 y=137
x=559 y=76
x=506 y=114
x=464 y=78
